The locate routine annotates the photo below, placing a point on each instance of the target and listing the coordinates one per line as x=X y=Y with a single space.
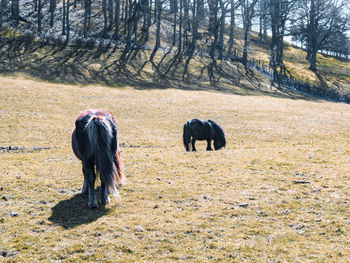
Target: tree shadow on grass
x=80 y=63
x=74 y=212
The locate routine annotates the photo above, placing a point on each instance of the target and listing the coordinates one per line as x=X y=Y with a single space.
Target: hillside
x=105 y=62
x=277 y=192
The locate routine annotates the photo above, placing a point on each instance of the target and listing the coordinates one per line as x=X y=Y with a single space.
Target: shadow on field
x=74 y=212
x=79 y=63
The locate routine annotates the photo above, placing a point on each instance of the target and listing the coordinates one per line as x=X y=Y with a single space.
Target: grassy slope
x=176 y=205
x=96 y=66
x=334 y=72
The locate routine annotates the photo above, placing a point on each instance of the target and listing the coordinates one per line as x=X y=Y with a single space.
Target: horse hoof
x=93 y=205
x=106 y=201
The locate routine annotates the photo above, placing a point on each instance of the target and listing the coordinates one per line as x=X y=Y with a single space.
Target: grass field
x=244 y=203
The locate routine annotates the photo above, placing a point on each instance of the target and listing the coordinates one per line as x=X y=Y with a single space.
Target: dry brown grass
x=176 y=205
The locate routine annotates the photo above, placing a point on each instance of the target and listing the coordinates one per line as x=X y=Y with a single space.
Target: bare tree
x=213 y=25
x=105 y=18
x=3 y=5
x=213 y=16
x=110 y=12
x=319 y=23
x=87 y=15
x=233 y=7
x=279 y=14
x=64 y=17
x=52 y=10
x=158 y=6
x=196 y=9
x=117 y=20
x=223 y=9
x=39 y=16
x=146 y=8
x=173 y=11
x=67 y=21
x=263 y=18
x=248 y=11
x=15 y=12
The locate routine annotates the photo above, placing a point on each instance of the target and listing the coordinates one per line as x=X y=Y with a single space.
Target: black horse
x=207 y=130
x=95 y=143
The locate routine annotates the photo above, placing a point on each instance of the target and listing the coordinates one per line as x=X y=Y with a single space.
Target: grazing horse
x=95 y=143
x=207 y=130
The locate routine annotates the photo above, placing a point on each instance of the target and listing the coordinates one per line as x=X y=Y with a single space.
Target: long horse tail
x=100 y=134
x=186 y=135
x=219 y=137
x=118 y=171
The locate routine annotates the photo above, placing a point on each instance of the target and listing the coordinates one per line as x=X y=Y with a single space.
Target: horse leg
x=85 y=189
x=193 y=145
x=209 y=145
x=104 y=194
x=188 y=147
x=89 y=174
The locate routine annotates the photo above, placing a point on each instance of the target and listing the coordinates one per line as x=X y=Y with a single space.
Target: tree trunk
x=105 y=18
x=261 y=10
x=214 y=28
x=196 y=6
x=245 y=46
x=149 y=20
x=67 y=21
x=87 y=15
x=64 y=18
x=279 y=13
x=136 y=15
x=312 y=37
x=52 y=11
x=39 y=16
x=129 y=27
x=1 y=12
x=213 y=10
x=174 y=30
x=3 y=6
x=185 y=24
x=158 y=10
x=145 y=27
x=313 y=60
x=126 y=15
x=159 y=17
x=275 y=13
x=232 y=28
x=222 y=31
x=117 y=19
x=110 y=14
x=15 y=11
x=195 y=13
x=180 y=27
x=122 y=10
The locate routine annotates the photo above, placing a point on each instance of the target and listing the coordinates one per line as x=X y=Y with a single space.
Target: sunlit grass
x=333 y=70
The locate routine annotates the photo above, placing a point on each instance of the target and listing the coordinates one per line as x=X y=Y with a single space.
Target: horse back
x=80 y=137
x=200 y=130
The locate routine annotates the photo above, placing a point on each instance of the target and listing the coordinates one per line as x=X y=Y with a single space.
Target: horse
x=203 y=130
x=95 y=143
